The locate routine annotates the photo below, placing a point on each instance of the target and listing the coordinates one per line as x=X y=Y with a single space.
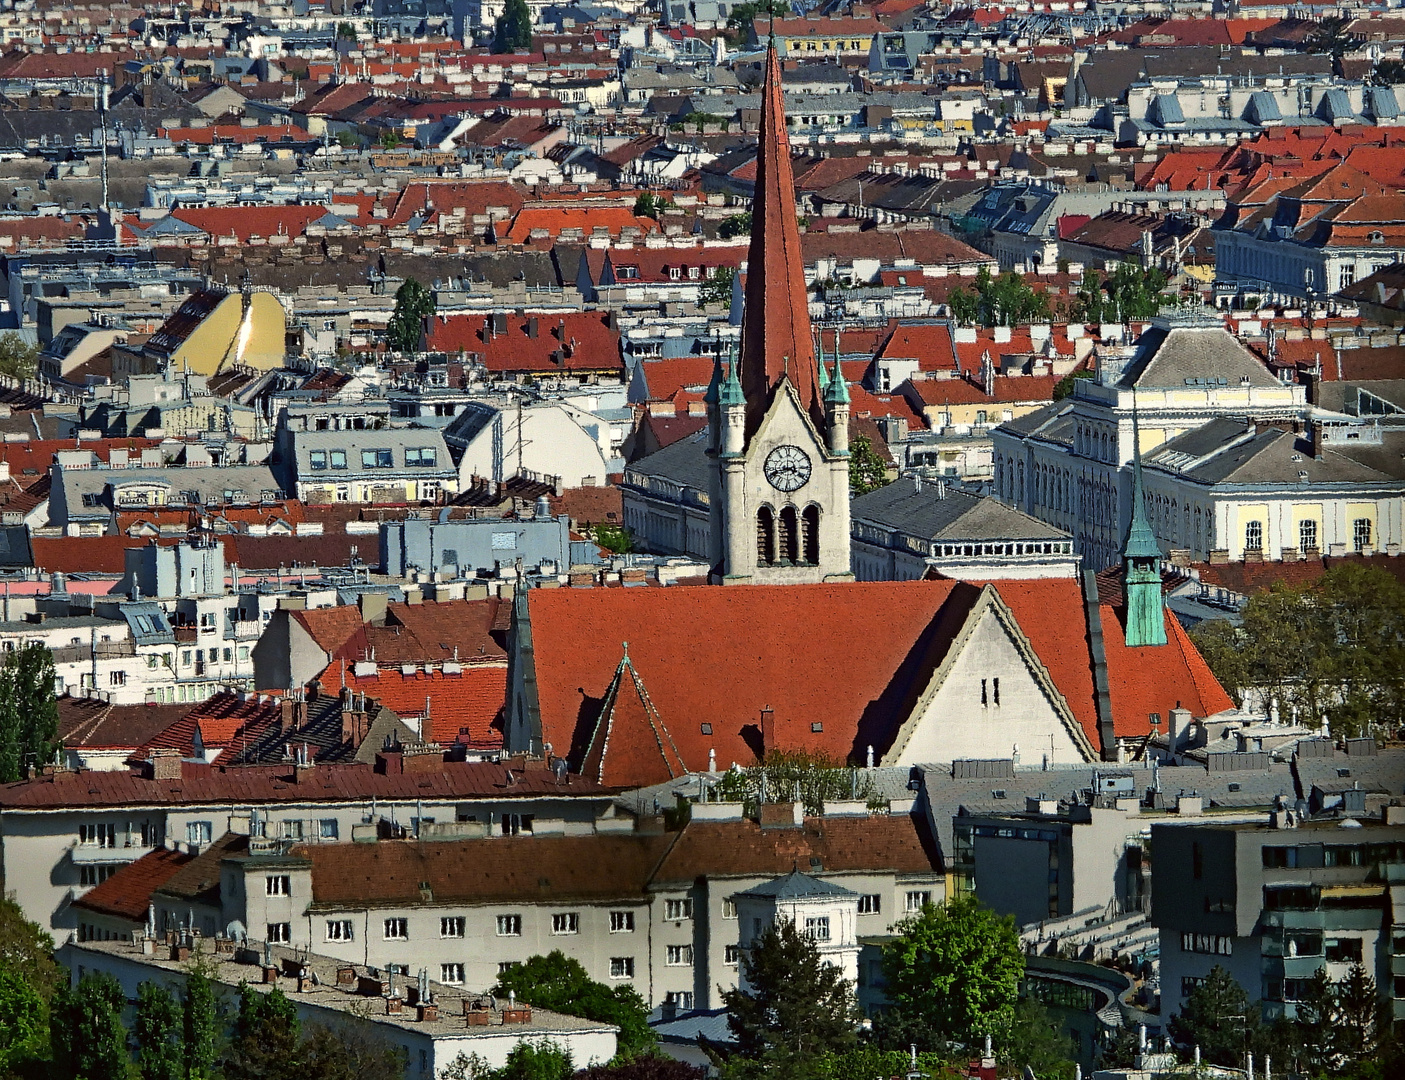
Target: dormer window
x=1376 y=237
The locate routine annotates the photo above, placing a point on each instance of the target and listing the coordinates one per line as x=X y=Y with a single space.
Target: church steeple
x=776 y=335
x=1141 y=562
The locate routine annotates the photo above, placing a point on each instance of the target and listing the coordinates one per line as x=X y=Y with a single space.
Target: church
x=783 y=650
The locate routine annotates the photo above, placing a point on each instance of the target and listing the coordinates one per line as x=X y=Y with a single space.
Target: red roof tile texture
x=127 y=894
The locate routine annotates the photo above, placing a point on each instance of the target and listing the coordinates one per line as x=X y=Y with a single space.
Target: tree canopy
x=867 y=471
x=1335 y=647
x=17 y=356
x=513 y=30
x=998 y=301
x=558 y=982
x=1129 y=292
x=29 y=716
x=953 y=975
x=798 y=1008
x=1219 y=1018
x=413 y=304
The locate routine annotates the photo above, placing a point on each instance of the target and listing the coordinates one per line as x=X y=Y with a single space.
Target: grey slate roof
x=684 y=462
x=943 y=513
x=1168 y=356
x=796 y=886
x=1224 y=451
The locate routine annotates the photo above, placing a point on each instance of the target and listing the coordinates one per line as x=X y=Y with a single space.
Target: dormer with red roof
x=631 y=741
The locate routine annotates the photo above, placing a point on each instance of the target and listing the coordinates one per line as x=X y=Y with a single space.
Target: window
x=1307 y=535
x=338 y=459
x=1253 y=536
x=729 y=908
x=1197 y=860
x=1346 y=276
x=1280 y=858
x=504 y=966
x=277 y=885
x=871 y=904
x=509 y=926
x=99 y=835
x=327 y=828
x=1214 y=944
x=1188 y=984
x=90 y=874
x=621 y=922
x=397 y=930
x=279 y=933
x=514 y=824
x=1361 y=534
x=116 y=678
x=197 y=832
x=817 y=927
x=916 y=901
x=681 y=999
x=452 y=926
x=451 y=974
x=317 y=459
x=565 y=922
x=1343 y=950
x=679 y=956
x=677 y=910
x=621 y=967
x=423 y=456
x=729 y=955
x=339 y=930
x=985 y=693
x=291 y=830
x=377 y=459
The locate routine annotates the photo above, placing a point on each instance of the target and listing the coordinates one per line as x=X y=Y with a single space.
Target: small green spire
x=1141 y=562
x=714 y=388
x=819 y=359
x=837 y=392
x=731 y=392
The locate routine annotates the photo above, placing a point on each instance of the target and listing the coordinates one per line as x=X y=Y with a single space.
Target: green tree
x=613 y=538
x=86 y=1032
x=1219 y=1018
x=1033 y=1040
x=24 y=1022
x=652 y=1067
x=1006 y=300
x=264 y=1045
x=513 y=31
x=743 y=16
x=413 y=304
x=798 y=1008
x=543 y=1060
x=29 y=716
x=736 y=225
x=350 y=1053
x=1064 y=387
x=200 y=1021
x=717 y=289
x=1358 y=1014
x=17 y=356
x=816 y=779
x=953 y=973
x=561 y=984
x=346 y=32
x=27 y=950
x=1331 y=37
x=157 y=1028
x=347 y=140
x=867 y=471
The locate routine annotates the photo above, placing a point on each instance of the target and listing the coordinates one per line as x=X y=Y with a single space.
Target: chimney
x=532 y=327
x=372 y=606
x=165 y=764
x=768 y=729
x=353 y=725
x=1177 y=726
x=288 y=718
x=1317 y=448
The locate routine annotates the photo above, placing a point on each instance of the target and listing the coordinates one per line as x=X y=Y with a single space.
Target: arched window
x=765 y=536
x=810 y=534
x=789 y=537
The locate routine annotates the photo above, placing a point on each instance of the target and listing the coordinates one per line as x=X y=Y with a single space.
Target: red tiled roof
x=1147 y=680
x=463 y=708
x=576 y=341
x=631 y=745
x=127 y=894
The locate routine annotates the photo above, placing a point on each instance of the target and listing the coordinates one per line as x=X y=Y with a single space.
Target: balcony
x=89 y=854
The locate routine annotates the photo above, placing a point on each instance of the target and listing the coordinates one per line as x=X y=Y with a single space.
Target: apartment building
x=639 y=906
x=1273 y=902
x=65 y=832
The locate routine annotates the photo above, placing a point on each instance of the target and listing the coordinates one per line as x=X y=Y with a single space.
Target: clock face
x=787 y=468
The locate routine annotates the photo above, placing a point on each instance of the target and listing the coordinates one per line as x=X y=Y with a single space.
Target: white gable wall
x=954 y=724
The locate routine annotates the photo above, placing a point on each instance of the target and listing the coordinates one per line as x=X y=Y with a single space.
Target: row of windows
x=1214 y=944
x=790 y=539
x=397 y=928
x=1307 y=535
x=376 y=458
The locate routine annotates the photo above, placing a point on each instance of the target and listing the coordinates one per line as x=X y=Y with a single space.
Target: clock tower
x=778 y=422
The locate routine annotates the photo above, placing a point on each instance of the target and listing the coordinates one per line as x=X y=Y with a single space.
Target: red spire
x=776 y=335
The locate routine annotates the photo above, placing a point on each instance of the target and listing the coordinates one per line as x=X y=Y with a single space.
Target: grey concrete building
x=465 y=546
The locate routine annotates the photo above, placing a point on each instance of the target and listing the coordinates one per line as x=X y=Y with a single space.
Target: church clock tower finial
x=1141 y=561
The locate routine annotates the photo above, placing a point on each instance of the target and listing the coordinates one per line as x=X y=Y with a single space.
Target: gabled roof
x=127 y=893
x=631 y=744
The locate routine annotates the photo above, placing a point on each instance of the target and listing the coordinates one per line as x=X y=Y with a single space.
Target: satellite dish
x=235 y=931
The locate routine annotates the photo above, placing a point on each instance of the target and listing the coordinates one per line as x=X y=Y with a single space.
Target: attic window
x=1233 y=787
x=817 y=726
x=998 y=793
x=707 y=729
x=1376 y=237
x=1343 y=773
